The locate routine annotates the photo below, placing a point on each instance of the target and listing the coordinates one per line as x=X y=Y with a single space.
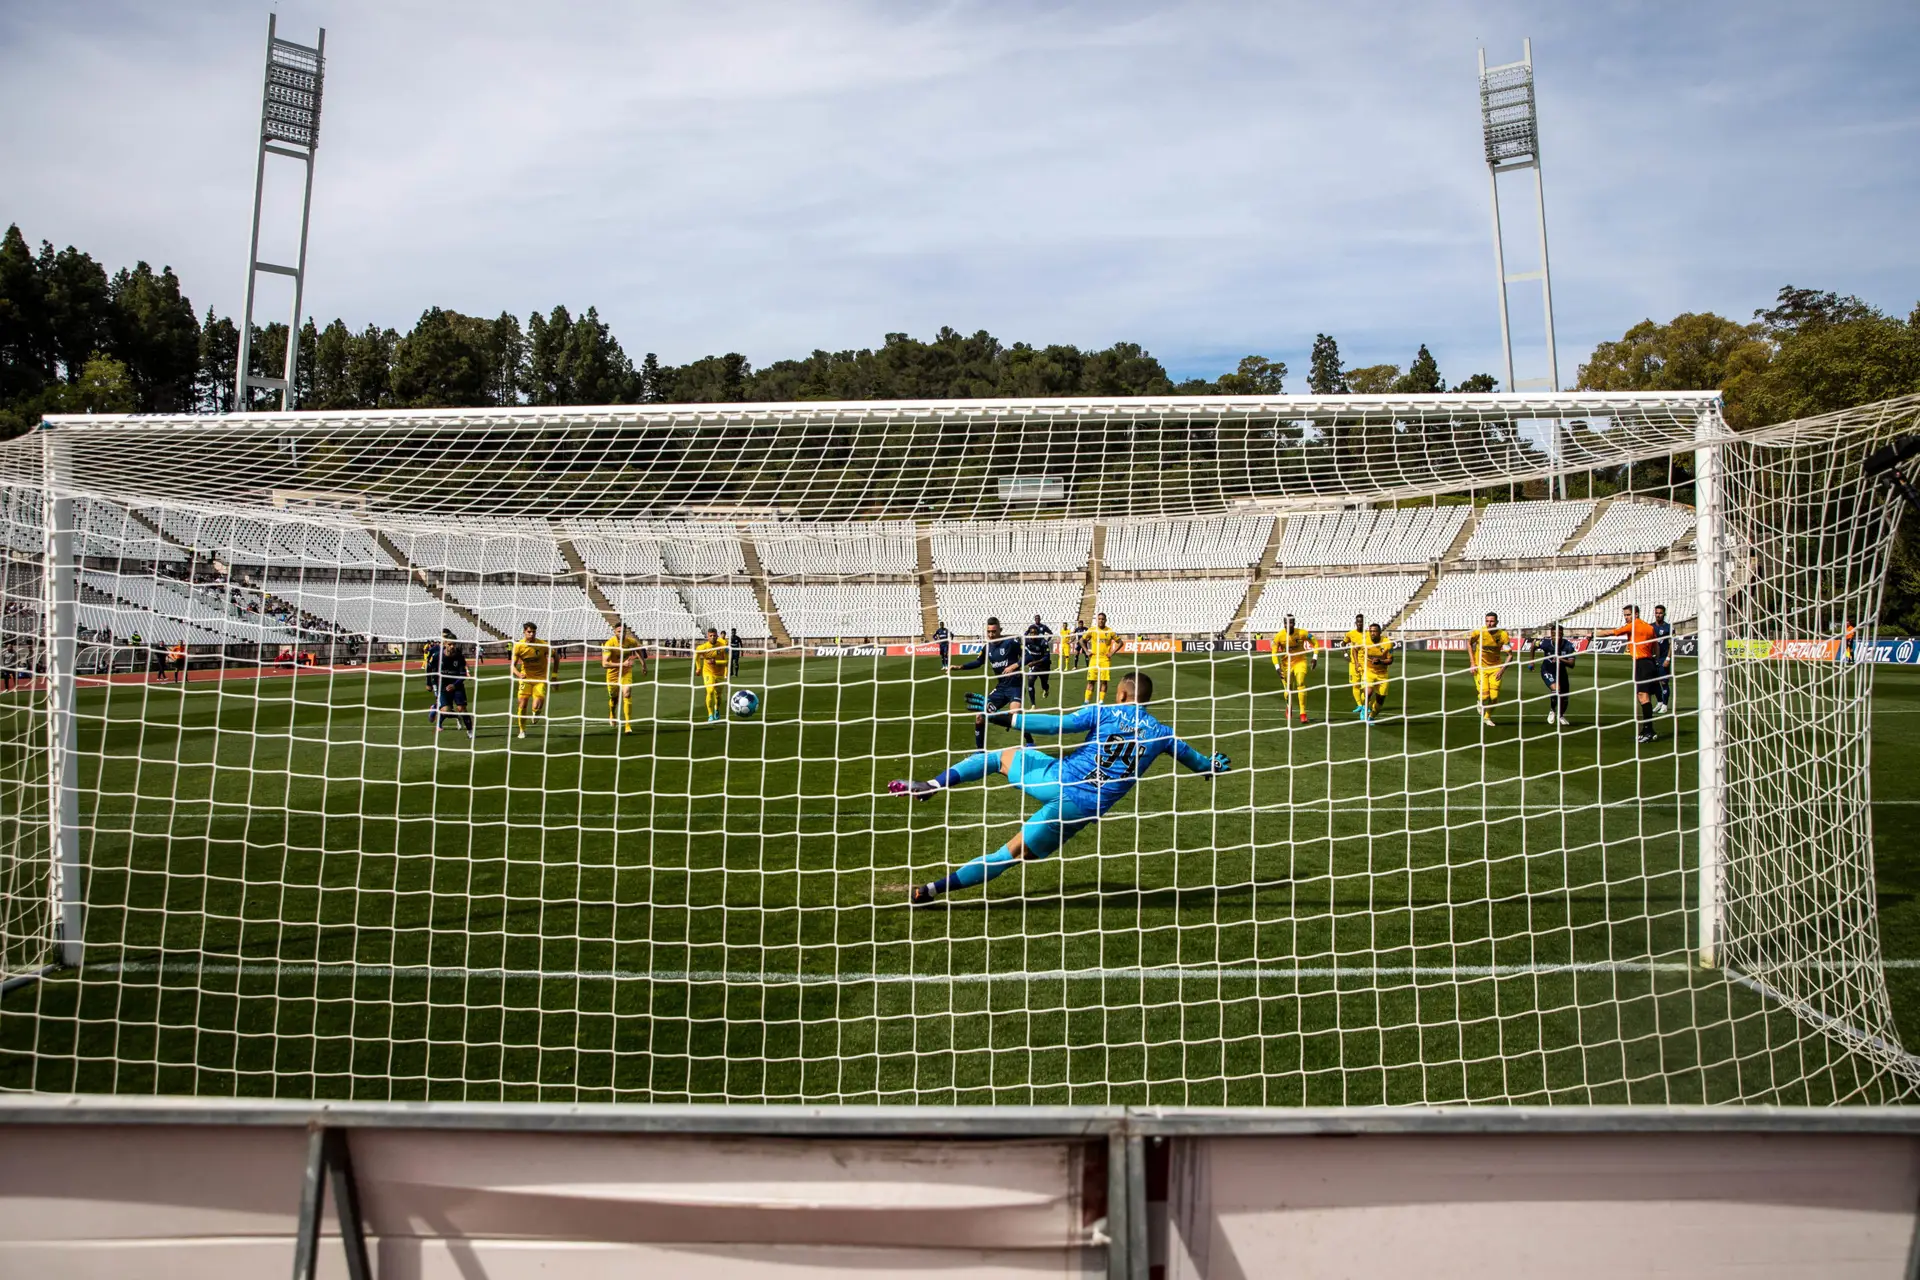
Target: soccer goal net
x=1248 y=751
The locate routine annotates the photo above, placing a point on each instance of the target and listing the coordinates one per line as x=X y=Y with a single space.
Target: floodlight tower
x=289 y=127
x=1512 y=131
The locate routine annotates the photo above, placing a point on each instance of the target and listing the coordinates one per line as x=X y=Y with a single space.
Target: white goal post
x=263 y=853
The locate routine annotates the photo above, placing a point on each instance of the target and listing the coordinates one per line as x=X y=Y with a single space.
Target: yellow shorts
x=1486 y=682
x=624 y=681
x=1376 y=684
x=712 y=680
x=1296 y=671
x=531 y=689
x=1100 y=669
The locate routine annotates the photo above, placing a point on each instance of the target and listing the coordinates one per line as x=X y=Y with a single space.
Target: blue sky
x=1208 y=180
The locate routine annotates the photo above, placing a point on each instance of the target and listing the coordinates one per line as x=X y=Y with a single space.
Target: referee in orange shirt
x=1643 y=645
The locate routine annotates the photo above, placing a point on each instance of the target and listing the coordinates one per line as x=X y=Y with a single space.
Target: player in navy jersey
x=1556 y=671
x=1663 y=654
x=1039 y=660
x=430 y=669
x=1122 y=743
x=1002 y=656
x=450 y=666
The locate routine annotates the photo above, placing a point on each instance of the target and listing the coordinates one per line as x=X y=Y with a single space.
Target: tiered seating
x=110 y=532
x=384 y=611
x=124 y=621
x=176 y=600
x=653 y=611
x=22 y=526
x=836 y=550
x=1201 y=606
x=1328 y=604
x=486 y=547
x=1676 y=586
x=728 y=608
x=1218 y=542
x=1369 y=536
x=615 y=548
x=849 y=609
x=1524 y=598
x=692 y=549
x=1627 y=526
x=1011 y=546
x=562 y=612
x=1511 y=530
x=966 y=606
x=289 y=543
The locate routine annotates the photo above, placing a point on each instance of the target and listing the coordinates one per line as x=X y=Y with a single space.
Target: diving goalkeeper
x=1123 y=741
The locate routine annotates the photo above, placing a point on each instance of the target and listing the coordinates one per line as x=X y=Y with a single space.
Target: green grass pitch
x=297 y=889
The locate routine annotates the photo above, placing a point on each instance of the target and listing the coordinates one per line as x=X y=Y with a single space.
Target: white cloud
x=1206 y=179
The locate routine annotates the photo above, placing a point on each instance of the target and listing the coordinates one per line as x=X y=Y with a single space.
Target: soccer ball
x=745 y=704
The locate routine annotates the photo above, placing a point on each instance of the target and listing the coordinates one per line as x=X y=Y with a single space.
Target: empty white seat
x=1512 y=530
x=1524 y=598
x=1216 y=542
x=1202 y=606
x=1329 y=603
x=1370 y=536
x=1627 y=527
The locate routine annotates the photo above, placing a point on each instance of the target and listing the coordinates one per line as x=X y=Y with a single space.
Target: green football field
x=297 y=889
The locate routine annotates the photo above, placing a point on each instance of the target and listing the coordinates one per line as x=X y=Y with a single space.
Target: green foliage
x=1256 y=376
x=1373 y=379
x=1476 y=384
x=1325 y=377
x=1689 y=353
x=1422 y=377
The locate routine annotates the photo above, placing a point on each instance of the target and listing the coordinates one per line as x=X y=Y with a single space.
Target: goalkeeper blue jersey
x=1123 y=741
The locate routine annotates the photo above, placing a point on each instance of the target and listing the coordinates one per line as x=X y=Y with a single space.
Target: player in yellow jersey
x=1102 y=644
x=620 y=656
x=532 y=666
x=1488 y=649
x=1293 y=656
x=711 y=662
x=1357 y=664
x=1376 y=663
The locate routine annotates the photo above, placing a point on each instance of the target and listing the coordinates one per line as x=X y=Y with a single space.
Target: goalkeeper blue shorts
x=1058 y=818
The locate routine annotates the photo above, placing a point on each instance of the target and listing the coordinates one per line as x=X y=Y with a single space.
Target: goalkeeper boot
x=911 y=787
x=923 y=895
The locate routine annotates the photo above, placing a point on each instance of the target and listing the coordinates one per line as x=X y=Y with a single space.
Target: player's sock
x=626 y=710
x=969 y=769
x=980 y=734
x=979 y=871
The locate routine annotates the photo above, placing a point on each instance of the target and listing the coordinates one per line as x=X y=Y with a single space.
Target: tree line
x=76 y=339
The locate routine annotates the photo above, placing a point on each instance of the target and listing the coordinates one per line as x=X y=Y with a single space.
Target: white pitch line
x=764 y=978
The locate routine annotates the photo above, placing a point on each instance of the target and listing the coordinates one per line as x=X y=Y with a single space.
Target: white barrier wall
x=151 y=1188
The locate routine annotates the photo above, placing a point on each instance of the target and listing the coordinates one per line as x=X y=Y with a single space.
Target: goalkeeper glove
x=977 y=702
x=1219 y=764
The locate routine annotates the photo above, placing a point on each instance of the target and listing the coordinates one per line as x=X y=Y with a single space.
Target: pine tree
x=1326 y=377
x=1422 y=376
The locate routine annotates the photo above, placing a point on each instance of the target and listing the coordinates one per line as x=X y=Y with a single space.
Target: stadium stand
x=392 y=611
x=1328 y=604
x=20 y=527
x=167 y=598
x=966 y=606
x=1675 y=585
x=695 y=549
x=1524 y=598
x=289 y=543
x=489 y=547
x=654 y=612
x=110 y=532
x=728 y=608
x=1220 y=542
x=848 y=609
x=1628 y=527
x=1369 y=536
x=1011 y=546
x=614 y=548
x=1512 y=530
x=1203 y=606
x=562 y=611
x=793 y=550
x=122 y=621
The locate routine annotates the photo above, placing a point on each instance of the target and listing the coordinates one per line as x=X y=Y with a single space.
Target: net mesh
x=301 y=867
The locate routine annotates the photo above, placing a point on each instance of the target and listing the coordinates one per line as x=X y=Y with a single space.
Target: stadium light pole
x=289 y=127
x=1510 y=127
